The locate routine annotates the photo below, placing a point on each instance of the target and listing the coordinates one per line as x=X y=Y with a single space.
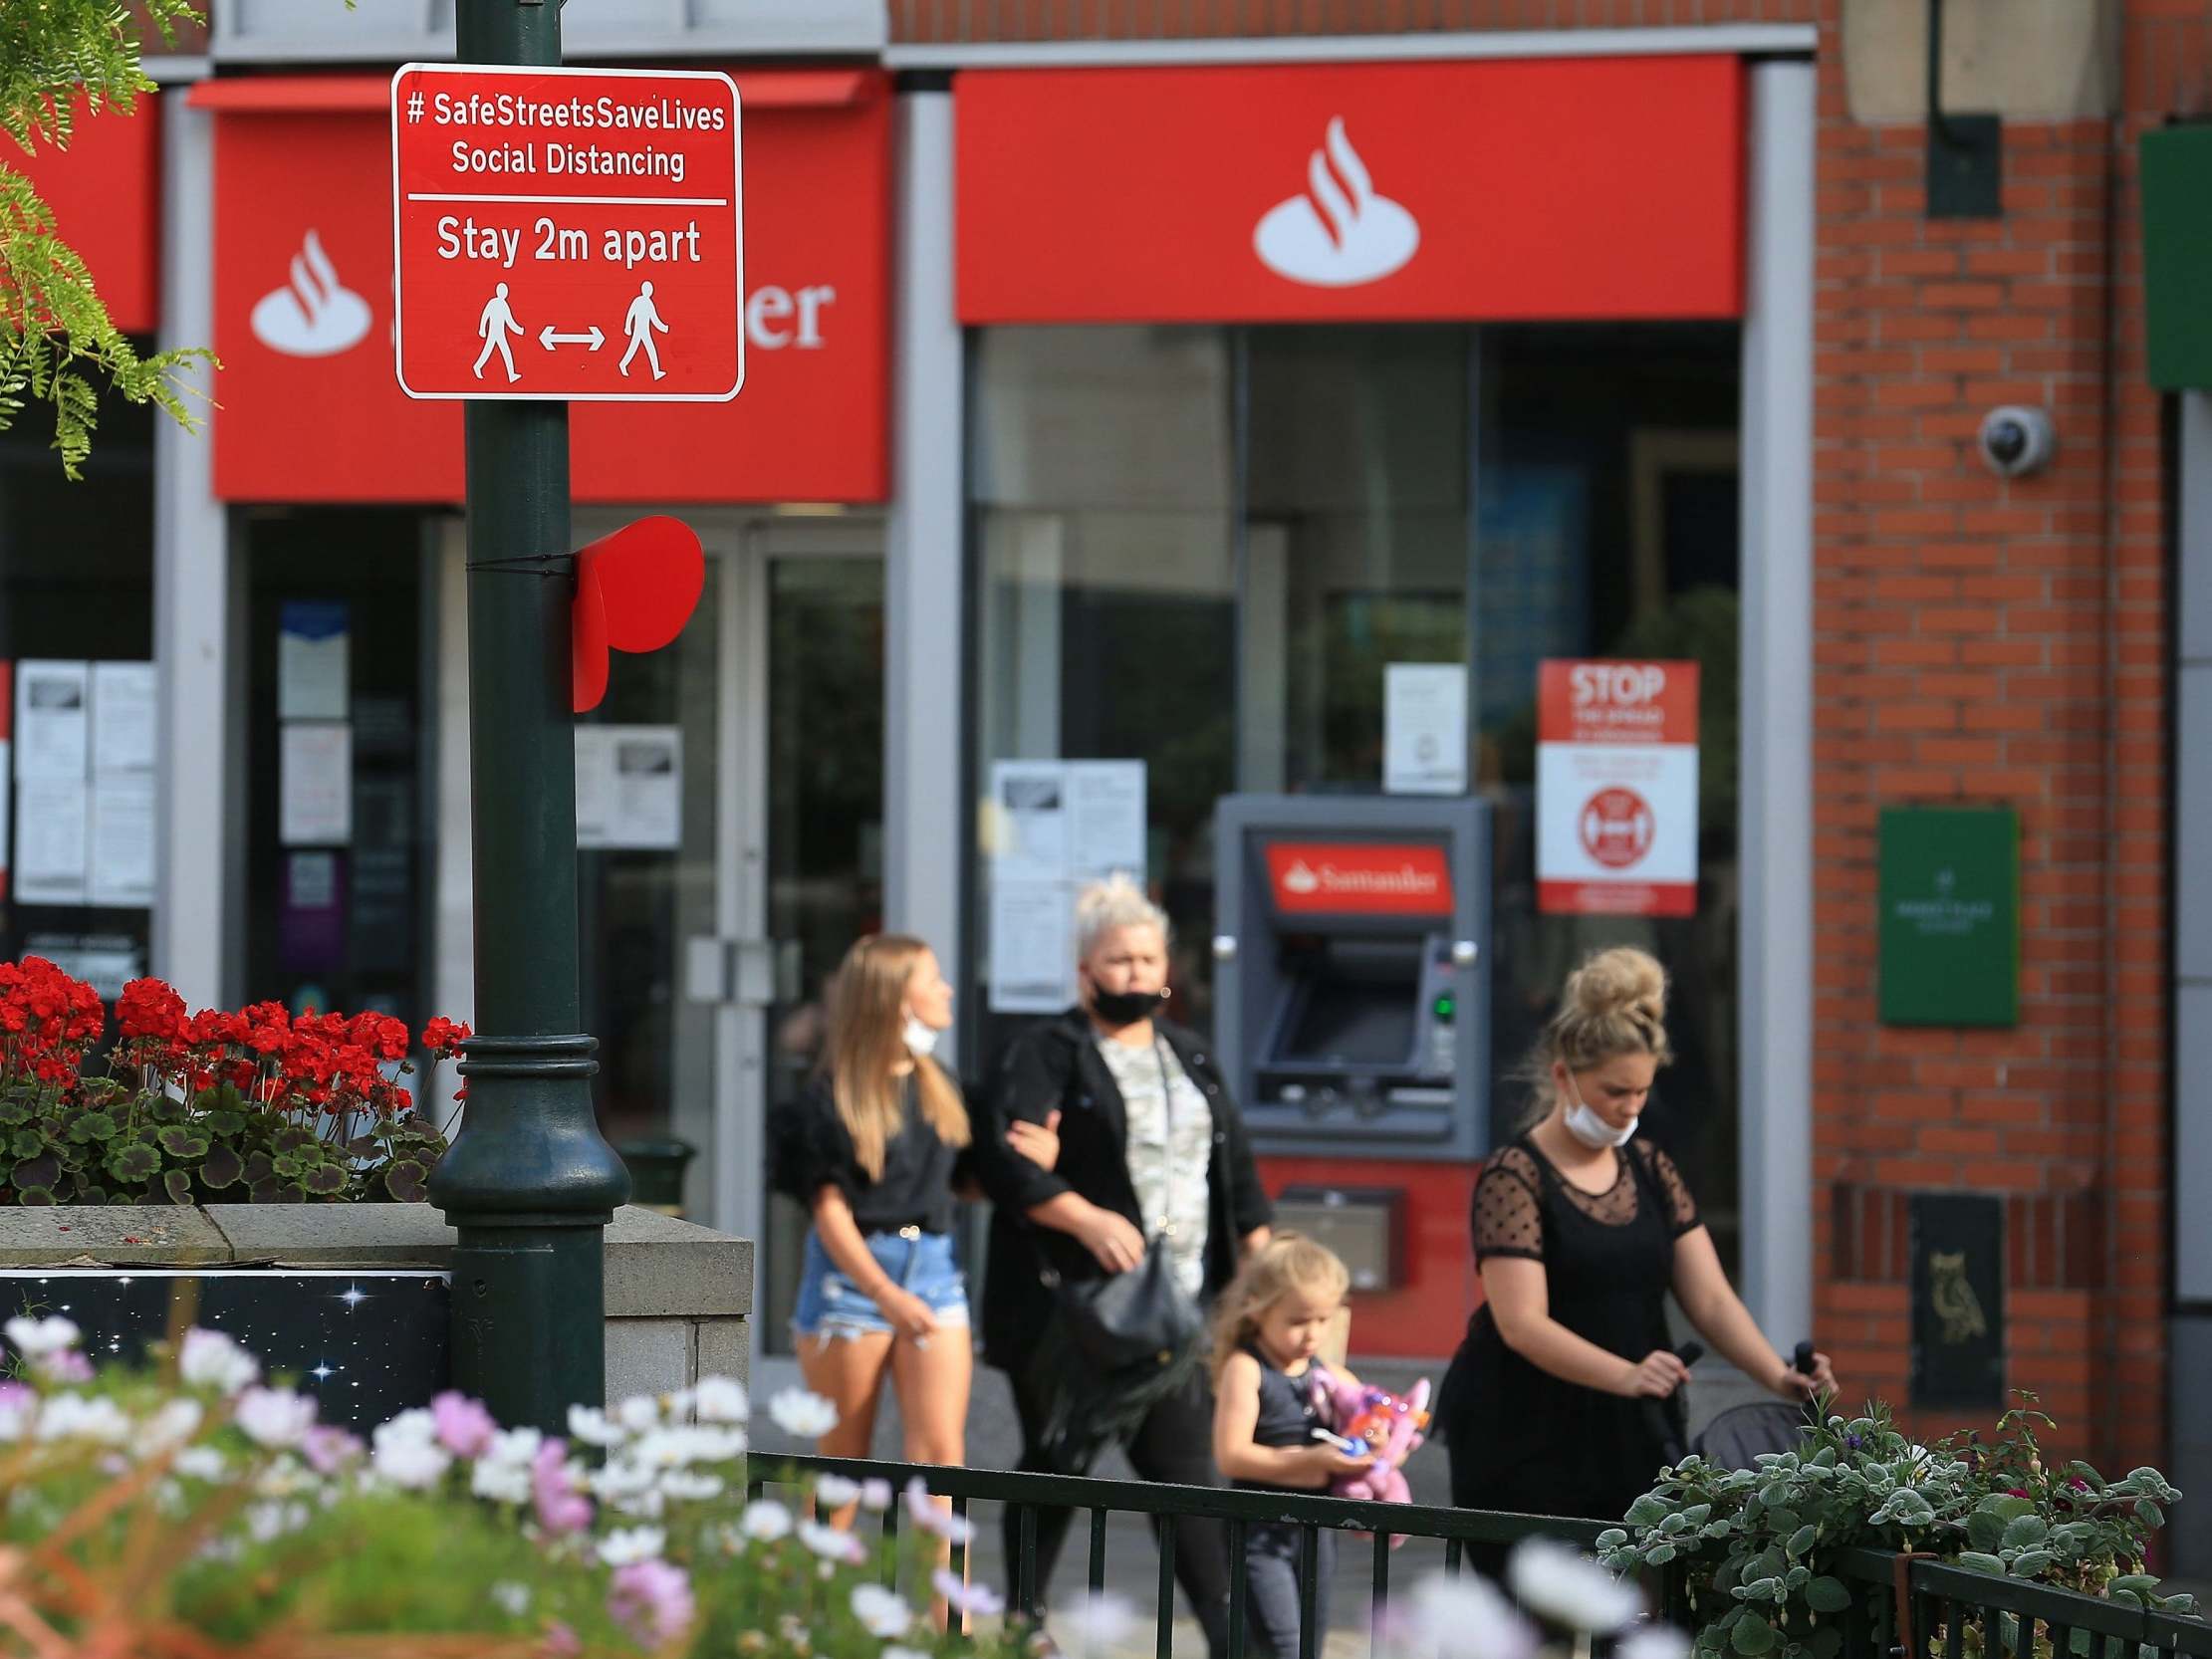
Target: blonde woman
x=872 y=1151
x=1557 y=1401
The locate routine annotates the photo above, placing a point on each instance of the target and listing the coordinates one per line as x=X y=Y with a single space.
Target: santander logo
x=1339 y=233
x=1300 y=878
x=1360 y=877
x=315 y=315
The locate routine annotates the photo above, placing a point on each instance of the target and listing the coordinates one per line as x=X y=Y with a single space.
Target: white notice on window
x=122 y=840
x=49 y=842
x=1106 y=818
x=122 y=717
x=1029 y=813
x=49 y=721
x=630 y=788
x=1424 y=728
x=312 y=657
x=315 y=783
x=1032 y=949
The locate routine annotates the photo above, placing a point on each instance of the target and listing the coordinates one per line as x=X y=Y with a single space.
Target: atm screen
x=1360 y=1006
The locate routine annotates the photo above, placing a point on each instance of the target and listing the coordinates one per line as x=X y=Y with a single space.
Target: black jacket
x=1056 y=1065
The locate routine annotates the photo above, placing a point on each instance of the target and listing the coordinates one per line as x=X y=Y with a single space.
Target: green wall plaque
x=1950 y=916
x=2178 y=256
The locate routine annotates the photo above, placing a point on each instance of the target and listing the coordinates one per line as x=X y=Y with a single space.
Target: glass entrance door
x=730 y=805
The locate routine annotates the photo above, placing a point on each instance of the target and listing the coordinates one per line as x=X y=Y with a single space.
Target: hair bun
x=1620 y=981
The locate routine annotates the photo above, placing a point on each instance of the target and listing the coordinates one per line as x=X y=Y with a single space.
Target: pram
x=1740 y=1435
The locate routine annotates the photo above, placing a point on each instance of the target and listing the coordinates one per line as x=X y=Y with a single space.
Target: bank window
x=1201 y=549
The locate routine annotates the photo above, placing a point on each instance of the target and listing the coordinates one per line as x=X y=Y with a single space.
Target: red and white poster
x=1616 y=788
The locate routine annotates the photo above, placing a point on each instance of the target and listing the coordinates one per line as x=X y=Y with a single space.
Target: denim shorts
x=830 y=1304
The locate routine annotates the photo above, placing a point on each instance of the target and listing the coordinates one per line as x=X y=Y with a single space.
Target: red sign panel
x=1359 y=879
x=567 y=233
x=1546 y=189
x=308 y=408
x=1616 y=788
x=1616 y=702
x=106 y=194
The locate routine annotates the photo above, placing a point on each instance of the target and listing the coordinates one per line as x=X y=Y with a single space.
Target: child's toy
x=1364 y=1421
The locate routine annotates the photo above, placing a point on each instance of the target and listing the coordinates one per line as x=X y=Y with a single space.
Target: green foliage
x=57 y=341
x=1759 y=1546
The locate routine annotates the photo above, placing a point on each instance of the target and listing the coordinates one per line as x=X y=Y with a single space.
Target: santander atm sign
x=1363 y=878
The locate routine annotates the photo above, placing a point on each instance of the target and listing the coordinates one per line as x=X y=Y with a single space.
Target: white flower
x=74 y=1417
x=1653 y=1641
x=201 y=1463
x=830 y=1543
x=895 y=1651
x=687 y=1487
x=803 y=1415
x=210 y=1359
x=1464 y=1618
x=514 y=1446
x=275 y=1417
x=266 y=1523
x=17 y=1407
x=978 y=1599
x=766 y=1520
x=884 y=1612
x=1096 y=1621
x=502 y=1482
x=589 y=1424
x=834 y=1491
x=513 y=1599
x=721 y=1400
x=1565 y=1587
x=408 y=1453
x=169 y=1427
x=36 y=1338
x=638 y=1413
x=875 y=1495
x=627 y=1547
x=931 y=1518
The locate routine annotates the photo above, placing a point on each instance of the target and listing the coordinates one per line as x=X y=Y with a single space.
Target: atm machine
x=1351 y=998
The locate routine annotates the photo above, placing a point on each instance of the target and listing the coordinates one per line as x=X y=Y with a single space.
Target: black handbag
x=1130 y=1323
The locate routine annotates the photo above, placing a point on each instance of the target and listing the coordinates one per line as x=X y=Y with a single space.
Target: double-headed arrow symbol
x=549 y=340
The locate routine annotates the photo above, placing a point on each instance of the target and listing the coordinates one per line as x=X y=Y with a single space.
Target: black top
x=1285 y=1416
x=1608 y=1260
x=809 y=1150
x=1055 y=1065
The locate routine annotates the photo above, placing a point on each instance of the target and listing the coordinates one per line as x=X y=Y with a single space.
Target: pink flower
x=561 y=1642
x=465 y=1428
x=653 y=1601
x=330 y=1449
x=63 y=1365
x=561 y=1507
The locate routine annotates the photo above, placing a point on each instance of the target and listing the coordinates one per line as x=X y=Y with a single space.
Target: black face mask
x=1126 y=1008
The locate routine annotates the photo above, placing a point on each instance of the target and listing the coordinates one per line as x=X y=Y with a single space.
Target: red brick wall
x=1977 y=641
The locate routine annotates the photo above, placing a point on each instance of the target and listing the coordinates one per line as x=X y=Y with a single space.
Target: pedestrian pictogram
x=540 y=214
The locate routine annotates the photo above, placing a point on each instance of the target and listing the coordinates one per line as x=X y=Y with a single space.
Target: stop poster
x=1616 y=788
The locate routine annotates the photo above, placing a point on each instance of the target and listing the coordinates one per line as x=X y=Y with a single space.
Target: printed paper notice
x=1424 y=728
x=122 y=717
x=50 y=845
x=51 y=711
x=313 y=659
x=1616 y=788
x=630 y=788
x=1032 y=949
x=315 y=783
x=122 y=840
x=1049 y=827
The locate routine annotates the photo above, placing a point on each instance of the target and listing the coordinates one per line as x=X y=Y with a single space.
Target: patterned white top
x=1170 y=1149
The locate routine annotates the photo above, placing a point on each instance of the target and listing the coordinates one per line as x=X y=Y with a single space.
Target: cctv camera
x=2016 y=440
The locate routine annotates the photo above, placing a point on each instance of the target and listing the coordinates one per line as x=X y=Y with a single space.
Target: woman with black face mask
x=1154 y=1193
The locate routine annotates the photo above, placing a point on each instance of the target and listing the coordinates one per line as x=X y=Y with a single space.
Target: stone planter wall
x=679 y=1297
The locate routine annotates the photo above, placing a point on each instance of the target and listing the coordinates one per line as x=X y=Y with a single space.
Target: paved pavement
x=1133 y=1564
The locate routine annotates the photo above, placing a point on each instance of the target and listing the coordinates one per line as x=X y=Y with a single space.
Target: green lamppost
x=530 y=1183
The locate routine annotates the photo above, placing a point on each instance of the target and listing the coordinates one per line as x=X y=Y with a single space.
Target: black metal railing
x=1024 y=1496
x=1906 y=1607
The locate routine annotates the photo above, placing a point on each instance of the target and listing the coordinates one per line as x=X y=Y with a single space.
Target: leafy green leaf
x=134 y=1163
x=404 y=1181
x=1802 y=1541
x=1982 y=1562
x=1827 y=1595
x=325 y=1180
x=35 y=1197
x=2148 y=1512
x=1985 y=1531
x=2029 y=1563
x=14 y=1111
x=177 y=1184
x=2025 y=1532
x=1752 y=1635
x=41 y=1172
x=181 y=1142
x=222 y=1167
x=223 y=1122
x=26 y=1143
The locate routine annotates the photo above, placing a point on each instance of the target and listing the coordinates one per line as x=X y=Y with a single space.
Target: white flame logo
x=315 y=315
x=1339 y=233
x=1299 y=878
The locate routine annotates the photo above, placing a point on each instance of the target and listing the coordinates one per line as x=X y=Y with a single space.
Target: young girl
x=1269 y=1326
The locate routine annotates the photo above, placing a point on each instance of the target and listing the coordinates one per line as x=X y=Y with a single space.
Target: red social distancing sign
x=567 y=233
x=1616 y=788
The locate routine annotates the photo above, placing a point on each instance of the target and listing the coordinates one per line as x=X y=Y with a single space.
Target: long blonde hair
x=1287 y=1261
x=866 y=1048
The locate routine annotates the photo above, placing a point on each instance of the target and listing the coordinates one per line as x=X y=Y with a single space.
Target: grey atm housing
x=1329 y=1026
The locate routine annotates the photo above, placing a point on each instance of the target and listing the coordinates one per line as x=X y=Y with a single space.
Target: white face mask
x=1591 y=1129
x=922 y=1040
